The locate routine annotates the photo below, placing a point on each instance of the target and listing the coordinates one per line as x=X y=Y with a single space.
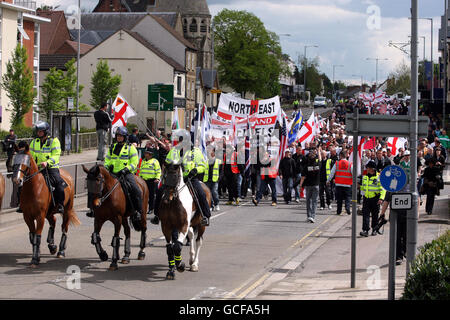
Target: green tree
x=313 y=76
x=69 y=85
x=104 y=85
x=51 y=93
x=249 y=56
x=400 y=80
x=18 y=84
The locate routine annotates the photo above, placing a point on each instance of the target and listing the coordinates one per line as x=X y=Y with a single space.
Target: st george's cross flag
x=395 y=143
x=122 y=112
x=307 y=132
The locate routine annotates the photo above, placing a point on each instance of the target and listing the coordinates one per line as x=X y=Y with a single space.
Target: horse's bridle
x=99 y=192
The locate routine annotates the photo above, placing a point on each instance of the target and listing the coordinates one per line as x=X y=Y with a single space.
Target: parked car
x=320 y=102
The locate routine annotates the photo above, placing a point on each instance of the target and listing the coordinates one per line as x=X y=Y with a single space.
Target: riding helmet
x=42 y=125
x=122 y=131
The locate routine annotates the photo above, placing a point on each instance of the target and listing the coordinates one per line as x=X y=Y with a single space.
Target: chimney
x=9 y=1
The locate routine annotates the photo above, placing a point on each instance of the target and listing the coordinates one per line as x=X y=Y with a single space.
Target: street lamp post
x=77 y=140
x=424 y=69
x=334 y=71
x=376 y=70
x=304 y=70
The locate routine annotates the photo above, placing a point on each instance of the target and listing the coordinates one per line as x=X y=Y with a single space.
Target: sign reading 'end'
x=401 y=201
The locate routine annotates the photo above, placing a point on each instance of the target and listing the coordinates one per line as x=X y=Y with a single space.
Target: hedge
x=429 y=278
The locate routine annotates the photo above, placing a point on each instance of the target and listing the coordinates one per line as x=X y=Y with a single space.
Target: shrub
x=430 y=272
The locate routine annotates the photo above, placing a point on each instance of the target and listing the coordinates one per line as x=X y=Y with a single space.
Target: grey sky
x=339 y=27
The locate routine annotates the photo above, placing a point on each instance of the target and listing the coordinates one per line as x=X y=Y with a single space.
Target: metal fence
x=75 y=170
x=87 y=141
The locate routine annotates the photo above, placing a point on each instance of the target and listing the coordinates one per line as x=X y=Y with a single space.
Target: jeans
x=343 y=194
x=287 y=188
x=214 y=187
x=323 y=188
x=311 y=194
x=101 y=135
x=264 y=182
x=239 y=184
x=298 y=177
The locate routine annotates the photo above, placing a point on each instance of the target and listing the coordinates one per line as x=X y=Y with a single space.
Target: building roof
x=71 y=47
x=172 y=31
x=108 y=21
x=148 y=45
x=91 y=37
x=53 y=34
x=58 y=61
x=196 y=7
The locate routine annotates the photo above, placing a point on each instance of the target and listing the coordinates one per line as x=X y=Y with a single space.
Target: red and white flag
x=395 y=143
x=307 y=132
x=122 y=112
x=361 y=142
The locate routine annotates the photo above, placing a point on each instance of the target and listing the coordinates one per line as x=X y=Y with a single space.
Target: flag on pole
x=247 y=147
x=175 y=124
x=307 y=132
x=122 y=112
x=283 y=138
x=295 y=127
x=361 y=142
x=205 y=127
x=395 y=143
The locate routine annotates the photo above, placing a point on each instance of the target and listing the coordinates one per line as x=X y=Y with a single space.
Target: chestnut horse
x=109 y=204
x=37 y=205
x=179 y=218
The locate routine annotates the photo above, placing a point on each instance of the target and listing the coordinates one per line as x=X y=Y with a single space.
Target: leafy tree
x=249 y=56
x=314 y=77
x=51 y=93
x=18 y=84
x=401 y=80
x=69 y=85
x=104 y=85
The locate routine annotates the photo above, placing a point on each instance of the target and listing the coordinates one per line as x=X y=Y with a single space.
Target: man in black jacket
x=103 y=123
x=300 y=161
x=10 y=142
x=287 y=174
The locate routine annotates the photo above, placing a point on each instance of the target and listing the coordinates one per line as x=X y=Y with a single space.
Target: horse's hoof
x=170 y=275
x=181 y=267
x=53 y=248
x=141 y=256
x=113 y=267
x=61 y=254
x=125 y=260
x=194 y=268
x=103 y=256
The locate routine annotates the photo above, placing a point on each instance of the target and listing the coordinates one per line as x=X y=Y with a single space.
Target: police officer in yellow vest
x=213 y=173
x=194 y=165
x=122 y=160
x=150 y=171
x=373 y=196
x=46 y=152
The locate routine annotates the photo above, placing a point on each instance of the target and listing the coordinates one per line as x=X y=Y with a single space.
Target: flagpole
x=354 y=199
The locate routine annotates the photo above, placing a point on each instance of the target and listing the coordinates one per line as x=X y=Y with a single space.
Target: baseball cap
x=406 y=153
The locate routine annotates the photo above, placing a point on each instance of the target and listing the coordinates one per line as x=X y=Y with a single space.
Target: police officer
x=46 y=152
x=122 y=160
x=150 y=171
x=373 y=196
x=194 y=165
x=213 y=173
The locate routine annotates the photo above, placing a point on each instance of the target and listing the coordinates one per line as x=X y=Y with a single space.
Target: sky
x=347 y=32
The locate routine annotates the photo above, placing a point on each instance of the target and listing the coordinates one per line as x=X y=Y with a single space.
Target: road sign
x=160 y=97
x=401 y=201
x=393 y=178
x=384 y=125
x=69 y=103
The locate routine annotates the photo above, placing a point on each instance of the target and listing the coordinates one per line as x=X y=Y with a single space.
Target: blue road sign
x=393 y=178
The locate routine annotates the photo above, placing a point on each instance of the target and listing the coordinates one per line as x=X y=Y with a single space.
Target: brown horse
x=179 y=216
x=109 y=204
x=36 y=204
x=2 y=189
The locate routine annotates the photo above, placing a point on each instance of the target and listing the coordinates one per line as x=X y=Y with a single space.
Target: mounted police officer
x=46 y=151
x=122 y=160
x=194 y=165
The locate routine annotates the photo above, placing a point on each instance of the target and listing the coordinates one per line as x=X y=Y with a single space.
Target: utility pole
x=305 y=69
x=376 y=70
x=334 y=82
x=444 y=99
x=412 y=217
x=77 y=137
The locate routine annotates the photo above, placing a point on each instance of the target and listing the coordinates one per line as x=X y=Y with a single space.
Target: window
x=185 y=25
x=193 y=27
x=179 y=85
x=203 y=27
x=151 y=3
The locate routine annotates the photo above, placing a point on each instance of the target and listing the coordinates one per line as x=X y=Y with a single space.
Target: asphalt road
x=241 y=244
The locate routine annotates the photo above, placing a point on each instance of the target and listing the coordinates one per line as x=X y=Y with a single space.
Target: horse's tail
x=73 y=218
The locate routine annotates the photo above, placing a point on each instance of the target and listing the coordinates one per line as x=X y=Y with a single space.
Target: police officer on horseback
x=194 y=166
x=46 y=151
x=122 y=160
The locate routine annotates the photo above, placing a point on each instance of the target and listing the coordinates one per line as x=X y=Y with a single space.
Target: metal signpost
x=160 y=98
x=393 y=179
x=384 y=126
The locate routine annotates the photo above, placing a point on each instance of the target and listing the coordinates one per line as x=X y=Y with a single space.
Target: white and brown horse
x=180 y=218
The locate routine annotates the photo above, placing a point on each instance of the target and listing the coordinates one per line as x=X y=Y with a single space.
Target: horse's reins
x=106 y=196
x=27 y=178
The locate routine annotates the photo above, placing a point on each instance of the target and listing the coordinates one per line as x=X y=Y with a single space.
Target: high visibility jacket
x=150 y=169
x=328 y=167
x=127 y=158
x=343 y=176
x=371 y=187
x=173 y=157
x=194 y=159
x=234 y=166
x=49 y=152
x=215 y=172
